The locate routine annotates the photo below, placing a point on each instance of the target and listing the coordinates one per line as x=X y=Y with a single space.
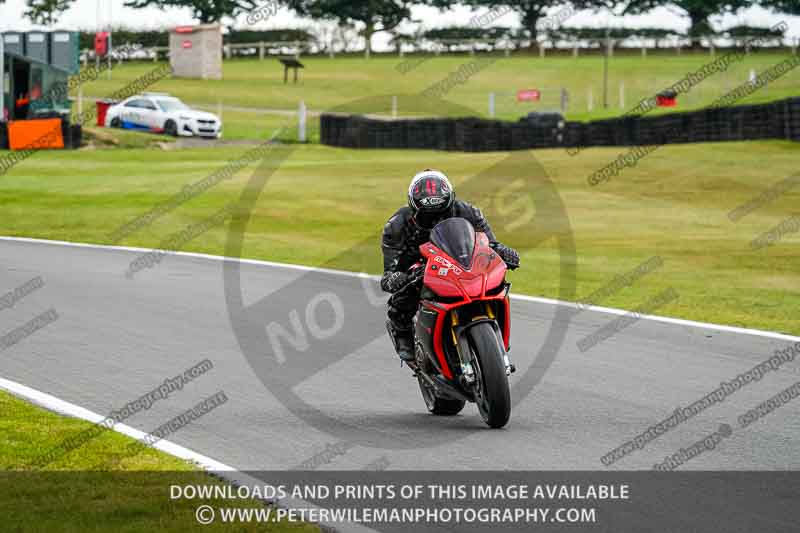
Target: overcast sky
x=89 y=14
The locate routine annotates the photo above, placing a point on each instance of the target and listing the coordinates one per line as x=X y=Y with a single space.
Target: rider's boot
x=403 y=340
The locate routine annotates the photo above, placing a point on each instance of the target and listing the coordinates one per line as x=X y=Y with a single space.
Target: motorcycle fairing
x=449 y=279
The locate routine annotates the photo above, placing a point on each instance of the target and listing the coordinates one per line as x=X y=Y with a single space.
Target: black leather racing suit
x=401 y=240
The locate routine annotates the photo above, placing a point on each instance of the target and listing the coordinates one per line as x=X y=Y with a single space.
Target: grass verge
x=325 y=201
x=100 y=486
x=326 y=83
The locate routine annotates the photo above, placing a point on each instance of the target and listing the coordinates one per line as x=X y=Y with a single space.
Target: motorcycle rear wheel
x=491 y=384
x=439 y=406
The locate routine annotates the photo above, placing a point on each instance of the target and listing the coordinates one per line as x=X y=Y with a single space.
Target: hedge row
x=776 y=120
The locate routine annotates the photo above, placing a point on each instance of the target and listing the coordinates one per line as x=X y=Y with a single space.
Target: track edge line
x=523 y=297
x=210 y=466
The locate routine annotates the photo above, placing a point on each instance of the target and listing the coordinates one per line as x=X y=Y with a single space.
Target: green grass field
x=352 y=84
x=322 y=201
x=79 y=492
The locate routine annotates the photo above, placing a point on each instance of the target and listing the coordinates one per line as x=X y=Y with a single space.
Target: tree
x=375 y=15
x=46 y=12
x=790 y=7
x=698 y=11
x=205 y=11
x=531 y=12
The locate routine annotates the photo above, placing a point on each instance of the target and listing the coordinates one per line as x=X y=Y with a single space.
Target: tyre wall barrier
x=775 y=120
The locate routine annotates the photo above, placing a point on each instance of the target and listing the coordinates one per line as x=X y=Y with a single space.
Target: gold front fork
x=453 y=324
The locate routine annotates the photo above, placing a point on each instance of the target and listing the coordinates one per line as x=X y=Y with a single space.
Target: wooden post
x=491 y=105
x=590 y=100
x=394 y=107
x=301 y=122
x=644 y=51
x=541 y=50
x=605 y=69
x=261 y=51
x=472 y=48
x=622 y=95
x=711 y=51
x=2 y=82
x=575 y=49
x=296 y=56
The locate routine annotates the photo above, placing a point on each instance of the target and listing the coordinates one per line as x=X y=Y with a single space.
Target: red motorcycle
x=461 y=331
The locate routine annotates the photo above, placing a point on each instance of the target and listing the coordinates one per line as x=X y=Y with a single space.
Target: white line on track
x=65 y=408
x=212 y=466
x=522 y=297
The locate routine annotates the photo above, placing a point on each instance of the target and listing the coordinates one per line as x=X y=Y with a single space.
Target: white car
x=161 y=113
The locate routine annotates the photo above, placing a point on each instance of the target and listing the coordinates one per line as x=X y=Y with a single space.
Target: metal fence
x=711 y=45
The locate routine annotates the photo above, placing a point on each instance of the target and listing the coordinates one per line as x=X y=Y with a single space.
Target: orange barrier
x=35 y=134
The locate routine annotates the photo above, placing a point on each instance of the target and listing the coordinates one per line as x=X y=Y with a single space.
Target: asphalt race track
x=117 y=338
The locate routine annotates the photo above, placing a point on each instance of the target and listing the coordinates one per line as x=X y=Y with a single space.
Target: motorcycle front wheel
x=491 y=382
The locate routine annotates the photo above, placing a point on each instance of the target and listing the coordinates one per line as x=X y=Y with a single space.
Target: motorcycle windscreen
x=455 y=237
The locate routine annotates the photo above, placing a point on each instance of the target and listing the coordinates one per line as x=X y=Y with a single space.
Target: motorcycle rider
x=431 y=199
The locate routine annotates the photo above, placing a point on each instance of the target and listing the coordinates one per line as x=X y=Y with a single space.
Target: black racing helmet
x=430 y=197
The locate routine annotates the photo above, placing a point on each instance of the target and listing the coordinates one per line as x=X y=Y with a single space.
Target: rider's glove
x=394 y=282
x=509 y=255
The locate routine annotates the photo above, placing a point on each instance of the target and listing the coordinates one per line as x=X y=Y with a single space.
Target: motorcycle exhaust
x=441 y=387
